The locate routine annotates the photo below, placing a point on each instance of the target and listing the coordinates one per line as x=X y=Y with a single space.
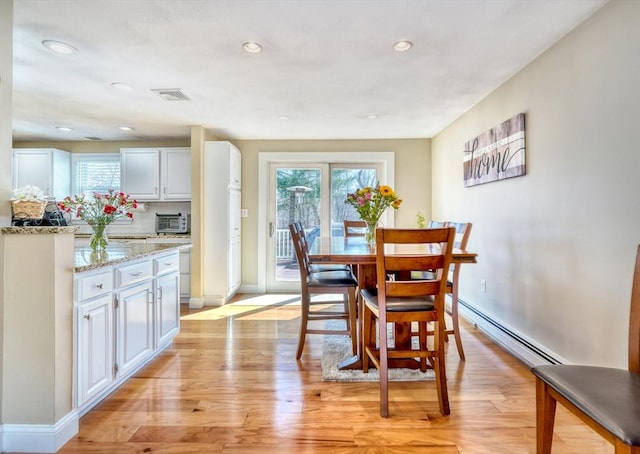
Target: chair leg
x=545 y=417
x=422 y=341
x=367 y=321
x=439 y=367
x=622 y=448
x=384 y=370
x=353 y=322
x=454 y=320
x=304 y=319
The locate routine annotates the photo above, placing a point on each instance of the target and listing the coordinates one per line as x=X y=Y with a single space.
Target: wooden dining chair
x=354 y=228
x=323 y=283
x=463 y=230
x=315 y=267
x=400 y=299
x=606 y=399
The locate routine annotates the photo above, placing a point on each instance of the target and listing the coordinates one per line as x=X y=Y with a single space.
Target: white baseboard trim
x=39 y=438
x=249 y=289
x=196 y=303
x=515 y=343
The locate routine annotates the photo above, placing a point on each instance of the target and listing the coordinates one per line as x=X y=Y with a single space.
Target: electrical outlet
x=244 y=213
x=483 y=286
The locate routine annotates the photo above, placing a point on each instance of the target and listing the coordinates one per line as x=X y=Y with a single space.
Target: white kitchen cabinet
x=125 y=316
x=175 y=173
x=221 y=223
x=166 y=298
x=185 y=261
x=47 y=168
x=156 y=174
x=140 y=173
x=134 y=307
x=95 y=347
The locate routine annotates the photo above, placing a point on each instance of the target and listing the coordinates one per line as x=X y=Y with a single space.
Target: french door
x=314 y=194
x=328 y=202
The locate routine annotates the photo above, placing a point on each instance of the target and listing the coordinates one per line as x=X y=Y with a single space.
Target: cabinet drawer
x=94 y=285
x=167 y=263
x=130 y=274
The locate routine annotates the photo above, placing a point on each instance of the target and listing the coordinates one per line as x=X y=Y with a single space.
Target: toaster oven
x=173 y=223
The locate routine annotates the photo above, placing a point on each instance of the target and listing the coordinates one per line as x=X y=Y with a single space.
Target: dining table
x=361 y=255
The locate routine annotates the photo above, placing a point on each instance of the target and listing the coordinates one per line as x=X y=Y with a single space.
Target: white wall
x=556 y=246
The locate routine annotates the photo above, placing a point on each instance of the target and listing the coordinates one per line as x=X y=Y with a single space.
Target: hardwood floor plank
x=230 y=384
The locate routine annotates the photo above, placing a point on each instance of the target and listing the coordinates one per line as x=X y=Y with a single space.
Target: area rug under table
x=338 y=348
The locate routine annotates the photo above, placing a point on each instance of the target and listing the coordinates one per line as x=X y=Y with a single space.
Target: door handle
x=272 y=229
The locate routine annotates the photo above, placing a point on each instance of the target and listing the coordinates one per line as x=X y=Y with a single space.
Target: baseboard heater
x=506 y=338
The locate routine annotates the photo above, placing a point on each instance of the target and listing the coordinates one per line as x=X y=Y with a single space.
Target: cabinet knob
x=99 y=286
x=88 y=316
x=136 y=274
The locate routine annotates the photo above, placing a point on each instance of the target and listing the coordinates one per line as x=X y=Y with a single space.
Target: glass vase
x=370 y=234
x=99 y=240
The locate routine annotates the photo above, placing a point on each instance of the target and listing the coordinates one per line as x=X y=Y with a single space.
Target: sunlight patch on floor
x=255 y=306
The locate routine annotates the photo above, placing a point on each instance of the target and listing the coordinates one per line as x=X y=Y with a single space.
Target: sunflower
x=386 y=191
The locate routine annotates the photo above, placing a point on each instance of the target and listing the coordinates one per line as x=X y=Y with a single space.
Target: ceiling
x=327 y=65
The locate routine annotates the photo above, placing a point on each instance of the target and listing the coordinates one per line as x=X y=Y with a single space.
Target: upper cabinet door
x=176 y=174
x=140 y=173
x=47 y=168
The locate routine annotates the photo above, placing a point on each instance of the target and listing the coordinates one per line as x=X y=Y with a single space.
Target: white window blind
x=95 y=172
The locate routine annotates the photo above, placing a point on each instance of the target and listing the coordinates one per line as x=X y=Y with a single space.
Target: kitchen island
x=77 y=325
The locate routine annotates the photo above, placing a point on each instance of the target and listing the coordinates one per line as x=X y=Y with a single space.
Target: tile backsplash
x=144 y=218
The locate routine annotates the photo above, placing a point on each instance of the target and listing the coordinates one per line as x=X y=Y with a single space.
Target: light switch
x=244 y=213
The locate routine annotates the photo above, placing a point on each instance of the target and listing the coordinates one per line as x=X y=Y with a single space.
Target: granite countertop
x=37 y=230
x=86 y=259
x=138 y=236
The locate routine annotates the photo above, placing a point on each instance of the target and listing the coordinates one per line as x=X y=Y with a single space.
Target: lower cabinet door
x=167 y=308
x=135 y=326
x=95 y=347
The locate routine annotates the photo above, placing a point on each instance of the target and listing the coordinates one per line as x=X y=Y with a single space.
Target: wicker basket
x=28 y=210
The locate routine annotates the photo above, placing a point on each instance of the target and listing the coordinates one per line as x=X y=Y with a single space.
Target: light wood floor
x=230 y=384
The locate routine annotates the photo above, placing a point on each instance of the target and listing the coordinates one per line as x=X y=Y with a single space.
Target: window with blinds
x=95 y=172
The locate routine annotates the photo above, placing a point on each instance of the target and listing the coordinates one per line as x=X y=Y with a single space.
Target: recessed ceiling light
x=59 y=47
x=283 y=117
x=252 y=48
x=372 y=116
x=122 y=86
x=125 y=128
x=403 y=45
x=64 y=128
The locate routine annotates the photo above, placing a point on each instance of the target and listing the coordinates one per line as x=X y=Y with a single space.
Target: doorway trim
x=265 y=159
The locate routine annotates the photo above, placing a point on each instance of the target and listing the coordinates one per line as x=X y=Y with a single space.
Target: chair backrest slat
x=463 y=230
x=300 y=247
x=354 y=228
x=437 y=244
x=634 y=319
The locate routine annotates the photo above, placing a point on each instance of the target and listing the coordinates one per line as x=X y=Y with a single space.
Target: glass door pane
x=298 y=197
x=345 y=180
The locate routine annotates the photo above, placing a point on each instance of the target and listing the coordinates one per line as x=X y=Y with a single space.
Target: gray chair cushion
x=332 y=279
x=400 y=304
x=609 y=396
x=323 y=268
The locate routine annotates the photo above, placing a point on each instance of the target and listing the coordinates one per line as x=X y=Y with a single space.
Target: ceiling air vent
x=93 y=138
x=170 y=94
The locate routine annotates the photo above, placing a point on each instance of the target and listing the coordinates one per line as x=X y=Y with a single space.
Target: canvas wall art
x=497 y=154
